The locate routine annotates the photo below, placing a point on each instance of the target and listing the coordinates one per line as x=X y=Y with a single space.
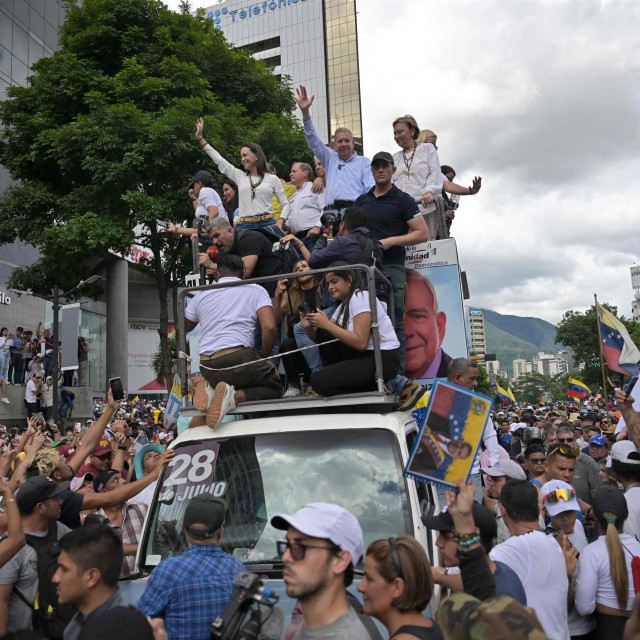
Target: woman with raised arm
x=256 y=187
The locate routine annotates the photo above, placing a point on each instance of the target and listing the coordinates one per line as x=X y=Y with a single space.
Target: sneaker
x=203 y=395
x=6 y=400
x=409 y=396
x=291 y=392
x=223 y=402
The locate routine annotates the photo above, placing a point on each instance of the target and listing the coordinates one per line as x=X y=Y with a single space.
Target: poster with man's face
x=434 y=315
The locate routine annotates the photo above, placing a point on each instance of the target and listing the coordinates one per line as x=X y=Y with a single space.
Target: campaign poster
x=449 y=438
x=434 y=314
x=174 y=404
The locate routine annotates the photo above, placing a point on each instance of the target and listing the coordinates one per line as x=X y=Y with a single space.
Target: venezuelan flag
x=618 y=349
x=513 y=398
x=578 y=389
x=503 y=395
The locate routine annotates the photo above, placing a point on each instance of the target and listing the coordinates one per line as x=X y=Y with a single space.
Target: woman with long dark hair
x=397 y=586
x=605 y=583
x=230 y=199
x=256 y=186
x=349 y=365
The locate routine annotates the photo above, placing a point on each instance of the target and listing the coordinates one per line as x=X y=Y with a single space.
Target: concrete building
x=493 y=367
x=477 y=337
x=314 y=42
x=520 y=367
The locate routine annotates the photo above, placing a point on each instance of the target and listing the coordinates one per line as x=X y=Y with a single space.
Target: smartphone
x=310 y=299
x=629 y=387
x=115 y=384
x=161 y=223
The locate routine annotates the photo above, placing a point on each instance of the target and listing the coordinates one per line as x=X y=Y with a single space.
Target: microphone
x=272 y=624
x=213 y=253
x=340 y=167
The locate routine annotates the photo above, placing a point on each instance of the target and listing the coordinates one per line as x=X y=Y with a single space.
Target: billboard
x=143 y=343
x=635 y=277
x=434 y=314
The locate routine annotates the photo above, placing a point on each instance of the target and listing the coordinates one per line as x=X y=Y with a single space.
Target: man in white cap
x=495 y=478
x=625 y=464
x=324 y=543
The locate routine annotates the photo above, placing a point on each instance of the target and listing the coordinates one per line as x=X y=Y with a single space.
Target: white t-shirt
x=30 y=392
x=208 y=197
x=594 y=585
x=306 y=209
x=358 y=304
x=227 y=317
x=539 y=563
x=579 y=625
x=632 y=523
x=146 y=495
x=578 y=538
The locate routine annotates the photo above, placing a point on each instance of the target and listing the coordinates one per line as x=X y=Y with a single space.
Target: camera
x=281 y=247
x=330 y=221
x=241 y=618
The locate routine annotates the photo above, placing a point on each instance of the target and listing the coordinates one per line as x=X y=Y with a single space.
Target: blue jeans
x=5 y=357
x=312 y=356
x=47 y=363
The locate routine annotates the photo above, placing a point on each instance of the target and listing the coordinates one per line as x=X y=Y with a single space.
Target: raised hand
x=199 y=128
x=303 y=100
x=476 y=186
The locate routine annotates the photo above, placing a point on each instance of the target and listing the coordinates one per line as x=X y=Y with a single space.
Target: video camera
x=281 y=247
x=241 y=620
x=330 y=221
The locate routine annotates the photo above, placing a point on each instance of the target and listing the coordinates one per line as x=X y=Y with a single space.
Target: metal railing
x=371 y=273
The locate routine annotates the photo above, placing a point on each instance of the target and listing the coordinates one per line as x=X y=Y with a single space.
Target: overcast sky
x=542 y=99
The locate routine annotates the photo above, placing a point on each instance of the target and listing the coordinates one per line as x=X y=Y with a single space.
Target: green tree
x=484 y=386
x=101 y=141
x=530 y=387
x=579 y=330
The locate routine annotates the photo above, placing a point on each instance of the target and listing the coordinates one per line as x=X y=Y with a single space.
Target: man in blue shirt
x=348 y=175
x=190 y=591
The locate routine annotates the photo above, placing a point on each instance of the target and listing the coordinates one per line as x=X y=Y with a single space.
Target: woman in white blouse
x=6 y=342
x=349 y=365
x=256 y=187
x=605 y=583
x=417 y=169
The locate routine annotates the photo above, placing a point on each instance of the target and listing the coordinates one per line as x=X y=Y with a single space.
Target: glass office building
x=314 y=42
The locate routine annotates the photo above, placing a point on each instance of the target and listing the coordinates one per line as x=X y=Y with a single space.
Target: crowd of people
x=356 y=211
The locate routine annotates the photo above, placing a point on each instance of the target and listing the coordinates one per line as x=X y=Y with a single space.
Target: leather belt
x=222 y=352
x=266 y=216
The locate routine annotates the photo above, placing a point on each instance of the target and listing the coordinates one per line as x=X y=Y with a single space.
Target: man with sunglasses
x=535 y=456
x=100 y=459
x=323 y=545
x=586 y=479
x=190 y=591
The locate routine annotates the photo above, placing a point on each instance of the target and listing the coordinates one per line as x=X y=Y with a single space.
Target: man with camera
x=256 y=252
x=190 y=591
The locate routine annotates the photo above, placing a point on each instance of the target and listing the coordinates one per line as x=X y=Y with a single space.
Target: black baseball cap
x=201 y=176
x=383 y=156
x=206 y=510
x=102 y=478
x=484 y=518
x=38 y=489
x=610 y=500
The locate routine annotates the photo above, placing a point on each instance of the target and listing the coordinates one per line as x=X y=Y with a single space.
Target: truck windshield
x=264 y=475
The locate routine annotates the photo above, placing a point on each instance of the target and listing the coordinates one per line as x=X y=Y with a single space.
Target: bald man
x=425 y=328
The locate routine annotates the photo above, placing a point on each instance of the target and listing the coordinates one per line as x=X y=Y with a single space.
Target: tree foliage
x=101 y=141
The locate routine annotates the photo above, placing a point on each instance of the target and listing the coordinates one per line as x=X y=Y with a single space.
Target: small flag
x=618 y=349
x=578 y=389
x=503 y=395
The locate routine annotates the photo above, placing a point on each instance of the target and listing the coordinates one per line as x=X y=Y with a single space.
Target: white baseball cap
x=625 y=451
x=553 y=509
x=326 y=520
x=507 y=468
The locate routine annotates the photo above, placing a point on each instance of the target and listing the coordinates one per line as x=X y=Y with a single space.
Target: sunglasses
x=395 y=557
x=562 y=449
x=537 y=460
x=299 y=550
x=560 y=495
x=569 y=440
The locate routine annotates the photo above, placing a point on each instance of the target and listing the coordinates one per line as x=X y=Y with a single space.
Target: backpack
x=371 y=255
x=49 y=616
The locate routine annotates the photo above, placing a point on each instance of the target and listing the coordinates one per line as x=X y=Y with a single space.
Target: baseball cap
x=201 y=176
x=102 y=478
x=598 y=440
x=483 y=518
x=564 y=500
x=124 y=623
x=66 y=451
x=38 y=489
x=383 y=156
x=76 y=483
x=610 y=499
x=625 y=451
x=326 y=520
x=207 y=510
x=104 y=446
x=507 y=468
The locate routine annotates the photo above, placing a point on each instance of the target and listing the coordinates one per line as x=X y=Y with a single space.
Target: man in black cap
x=507 y=582
x=394 y=219
x=190 y=591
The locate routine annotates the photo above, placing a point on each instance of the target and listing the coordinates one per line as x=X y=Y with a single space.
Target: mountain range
x=511 y=337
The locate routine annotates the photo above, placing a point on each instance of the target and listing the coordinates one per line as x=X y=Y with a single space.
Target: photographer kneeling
x=349 y=365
